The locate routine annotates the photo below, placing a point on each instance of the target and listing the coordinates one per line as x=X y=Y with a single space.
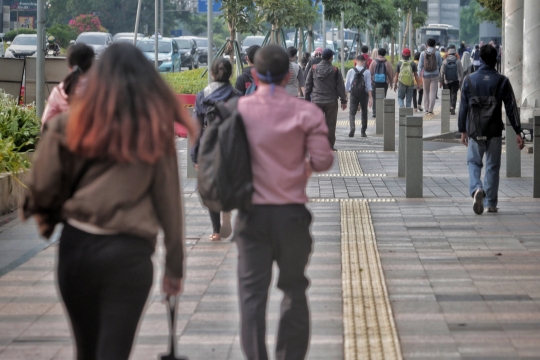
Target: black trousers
x=376 y=86
x=420 y=94
x=454 y=88
x=363 y=102
x=104 y=281
x=271 y=233
x=330 y=111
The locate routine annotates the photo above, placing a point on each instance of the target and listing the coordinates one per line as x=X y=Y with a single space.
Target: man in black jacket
x=244 y=81
x=487 y=82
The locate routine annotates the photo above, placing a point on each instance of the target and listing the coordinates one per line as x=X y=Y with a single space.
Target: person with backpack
x=358 y=85
x=297 y=82
x=405 y=79
x=287 y=140
x=218 y=90
x=381 y=75
x=244 y=83
x=365 y=54
x=480 y=124
x=324 y=86
x=452 y=77
x=429 y=66
x=476 y=58
x=316 y=59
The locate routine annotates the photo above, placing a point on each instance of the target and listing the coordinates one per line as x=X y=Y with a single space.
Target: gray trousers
x=330 y=111
x=266 y=234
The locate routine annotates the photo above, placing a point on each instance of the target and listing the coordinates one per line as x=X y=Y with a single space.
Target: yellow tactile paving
x=349 y=164
x=368 y=324
x=436 y=112
x=357 y=123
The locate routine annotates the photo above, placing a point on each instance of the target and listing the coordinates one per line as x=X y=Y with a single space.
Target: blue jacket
x=485 y=81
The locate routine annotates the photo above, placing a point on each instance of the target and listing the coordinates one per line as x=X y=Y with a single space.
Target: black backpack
x=481 y=123
x=358 y=87
x=451 y=72
x=224 y=179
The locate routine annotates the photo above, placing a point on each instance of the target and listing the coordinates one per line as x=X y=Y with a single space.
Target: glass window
x=183 y=43
x=164 y=47
x=25 y=40
x=202 y=42
x=250 y=40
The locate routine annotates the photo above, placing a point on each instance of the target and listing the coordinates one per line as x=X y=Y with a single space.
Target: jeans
x=454 y=88
x=266 y=234
x=405 y=91
x=355 y=102
x=330 y=111
x=104 y=281
x=430 y=92
x=376 y=86
x=492 y=148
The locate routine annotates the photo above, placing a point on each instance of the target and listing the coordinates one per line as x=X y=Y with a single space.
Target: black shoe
x=334 y=149
x=374 y=115
x=452 y=111
x=351 y=133
x=363 y=134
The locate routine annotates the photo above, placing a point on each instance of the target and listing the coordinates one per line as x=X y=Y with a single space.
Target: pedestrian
x=442 y=51
x=405 y=78
x=316 y=59
x=244 y=82
x=462 y=49
x=108 y=171
x=499 y=54
x=79 y=59
x=381 y=76
x=358 y=85
x=452 y=77
x=374 y=54
x=418 y=91
x=365 y=54
x=305 y=60
x=422 y=48
x=478 y=93
x=467 y=64
x=455 y=54
x=220 y=89
x=297 y=82
x=288 y=139
x=475 y=56
x=430 y=65
x=324 y=86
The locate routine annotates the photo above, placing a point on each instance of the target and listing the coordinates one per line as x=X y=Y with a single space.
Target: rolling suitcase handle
x=172 y=309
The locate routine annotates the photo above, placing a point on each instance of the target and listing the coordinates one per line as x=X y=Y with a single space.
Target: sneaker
x=363 y=134
x=452 y=111
x=420 y=108
x=478 y=203
x=492 y=209
x=351 y=133
x=226 y=227
x=415 y=110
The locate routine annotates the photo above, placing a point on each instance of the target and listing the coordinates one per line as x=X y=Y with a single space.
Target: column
x=379 y=107
x=530 y=93
x=536 y=157
x=414 y=163
x=389 y=125
x=445 y=111
x=403 y=113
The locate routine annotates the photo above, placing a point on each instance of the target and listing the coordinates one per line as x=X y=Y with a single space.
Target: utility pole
x=343 y=43
x=323 y=28
x=411 y=34
x=139 y=4
x=40 y=58
x=210 y=37
x=162 y=18
x=156 y=36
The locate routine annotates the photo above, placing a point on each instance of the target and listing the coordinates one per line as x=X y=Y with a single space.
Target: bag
x=481 y=123
x=368 y=59
x=224 y=179
x=451 y=73
x=380 y=75
x=358 y=87
x=406 y=74
x=251 y=89
x=335 y=71
x=430 y=61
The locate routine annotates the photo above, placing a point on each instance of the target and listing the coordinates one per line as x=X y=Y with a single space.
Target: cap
x=327 y=54
x=451 y=51
x=406 y=52
x=319 y=49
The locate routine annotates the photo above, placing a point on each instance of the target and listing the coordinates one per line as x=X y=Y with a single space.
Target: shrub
x=10 y=35
x=84 y=23
x=190 y=81
x=19 y=124
x=63 y=34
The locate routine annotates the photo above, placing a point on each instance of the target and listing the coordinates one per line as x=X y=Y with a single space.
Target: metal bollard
x=513 y=154
x=379 y=108
x=403 y=113
x=536 y=158
x=389 y=125
x=414 y=149
x=191 y=172
x=445 y=111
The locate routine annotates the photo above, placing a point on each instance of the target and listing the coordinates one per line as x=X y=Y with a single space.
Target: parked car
x=202 y=45
x=125 y=39
x=1 y=44
x=168 y=53
x=247 y=42
x=128 y=35
x=188 y=52
x=22 y=46
x=97 y=40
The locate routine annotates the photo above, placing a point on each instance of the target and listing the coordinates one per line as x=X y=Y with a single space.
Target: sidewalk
x=390 y=277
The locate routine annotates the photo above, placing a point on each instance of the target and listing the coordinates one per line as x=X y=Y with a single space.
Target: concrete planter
x=188 y=101
x=11 y=192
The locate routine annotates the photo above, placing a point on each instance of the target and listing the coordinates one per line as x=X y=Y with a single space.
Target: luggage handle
x=171 y=303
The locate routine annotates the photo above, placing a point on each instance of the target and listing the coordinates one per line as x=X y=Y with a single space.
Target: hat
x=327 y=54
x=451 y=51
x=319 y=49
x=406 y=52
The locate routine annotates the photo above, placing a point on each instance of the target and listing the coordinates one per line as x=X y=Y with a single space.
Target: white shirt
x=350 y=78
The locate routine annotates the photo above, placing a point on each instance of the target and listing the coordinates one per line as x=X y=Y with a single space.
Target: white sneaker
x=226 y=227
x=478 y=202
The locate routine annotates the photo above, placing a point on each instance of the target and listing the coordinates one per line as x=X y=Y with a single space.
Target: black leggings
x=104 y=281
x=420 y=95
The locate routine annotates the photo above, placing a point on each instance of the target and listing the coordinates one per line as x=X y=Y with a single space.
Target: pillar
x=379 y=107
x=513 y=154
x=40 y=58
x=445 y=111
x=403 y=113
x=536 y=158
x=530 y=93
x=389 y=125
x=414 y=180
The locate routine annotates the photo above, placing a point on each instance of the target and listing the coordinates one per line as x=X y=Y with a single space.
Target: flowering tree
x=84 y=23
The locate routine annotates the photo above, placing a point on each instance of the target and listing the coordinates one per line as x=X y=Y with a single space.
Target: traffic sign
x=203 y=6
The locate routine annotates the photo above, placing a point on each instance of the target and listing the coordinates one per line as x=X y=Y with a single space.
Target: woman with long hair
x=108 y=171
x=79 y=59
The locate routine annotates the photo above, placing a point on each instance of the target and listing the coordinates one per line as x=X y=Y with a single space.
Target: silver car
x=23 y=45
x=97 y=40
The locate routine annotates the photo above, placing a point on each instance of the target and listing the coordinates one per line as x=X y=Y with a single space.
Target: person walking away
x=455 y=52
x=374 y=55
x=365 y=54
x=442 y=51
x=418 y=90
x=462 y=49
x=288 y=139
x=381 y=76
x=304 y=61
x=79 y=59
x=244 y=83
x=119 y=187
x=429 y=65
x=499 y=56
x=297 y=82
x=324 y=86
x=476 y=58
x=358 y=85
x=482 y=96
x=466 y=64
x=316 y=59
x=218 y=90
x=452 y=77
x=405 y=78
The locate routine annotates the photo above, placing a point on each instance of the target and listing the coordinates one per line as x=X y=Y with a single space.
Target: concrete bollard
x=379 y=109
x=414 y=162
x=403 y=113
x=191 y=172
x=513 y=154
x=389 y=125
x=445 y=111
x=536 y=158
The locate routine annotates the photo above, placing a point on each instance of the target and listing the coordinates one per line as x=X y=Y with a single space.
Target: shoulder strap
x=355 y=70
x=363 y=70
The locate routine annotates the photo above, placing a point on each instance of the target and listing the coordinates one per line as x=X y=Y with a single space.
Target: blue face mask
x=272 y=80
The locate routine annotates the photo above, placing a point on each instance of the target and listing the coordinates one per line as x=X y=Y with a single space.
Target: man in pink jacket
x=288 y=139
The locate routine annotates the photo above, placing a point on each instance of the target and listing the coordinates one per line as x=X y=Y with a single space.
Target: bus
x=444 y=34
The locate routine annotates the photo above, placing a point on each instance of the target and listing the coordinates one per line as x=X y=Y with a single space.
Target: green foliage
x=10 y=35
x=287 y=13
x=11 y=159
x=63 y=34
x=492 y=11
x=469 y=23
x=190 y=81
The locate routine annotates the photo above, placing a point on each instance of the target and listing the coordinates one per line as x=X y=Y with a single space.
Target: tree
x=85 y=23
x=241 y=16
x=469 y=23
x=492 y=11
x=287 y=13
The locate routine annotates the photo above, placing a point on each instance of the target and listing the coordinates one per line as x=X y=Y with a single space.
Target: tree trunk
x=300 y=44
x=406 y=33
x=392 y=50
x=229 y=50
x=310 y=38
x=273 y=34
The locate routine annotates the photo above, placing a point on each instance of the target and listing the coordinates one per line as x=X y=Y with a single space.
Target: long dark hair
x=127 y=111
x=221 y=69
x=79 y=58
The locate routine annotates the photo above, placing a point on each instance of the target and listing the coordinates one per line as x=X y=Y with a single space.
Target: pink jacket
x=57 y=103
x=283 y=131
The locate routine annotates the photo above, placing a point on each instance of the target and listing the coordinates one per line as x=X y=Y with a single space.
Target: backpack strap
x=225 y=110
x=356 y=70
x=363 y=70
